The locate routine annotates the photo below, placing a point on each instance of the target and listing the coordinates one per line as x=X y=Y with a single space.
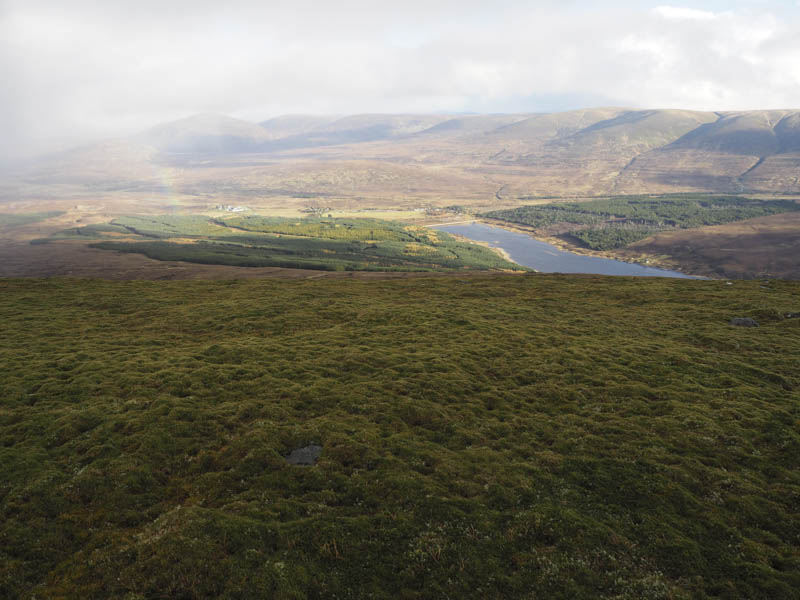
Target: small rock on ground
x=744 y=322
x=307 y=455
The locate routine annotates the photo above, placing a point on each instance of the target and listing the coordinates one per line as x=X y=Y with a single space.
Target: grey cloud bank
x=76 y=71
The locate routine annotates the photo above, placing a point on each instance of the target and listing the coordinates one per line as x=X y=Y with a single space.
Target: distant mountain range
x=583 y=152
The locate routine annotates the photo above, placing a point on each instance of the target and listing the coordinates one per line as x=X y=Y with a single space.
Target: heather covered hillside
x=466 y=157
x=481 y=437
x=399 y=300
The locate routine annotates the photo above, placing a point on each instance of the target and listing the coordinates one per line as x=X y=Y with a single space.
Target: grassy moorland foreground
x=527 y=436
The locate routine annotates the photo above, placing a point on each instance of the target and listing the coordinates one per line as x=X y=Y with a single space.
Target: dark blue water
x=546 y=258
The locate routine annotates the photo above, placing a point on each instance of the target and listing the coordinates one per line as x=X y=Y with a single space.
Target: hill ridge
x=590 y=152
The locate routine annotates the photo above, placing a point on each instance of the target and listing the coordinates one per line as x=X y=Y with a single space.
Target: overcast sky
x=77 y=70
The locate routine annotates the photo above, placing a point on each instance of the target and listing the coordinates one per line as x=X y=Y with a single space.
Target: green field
x=529 y=436
x=616 y=222
x=16 y=220
x=309 y=243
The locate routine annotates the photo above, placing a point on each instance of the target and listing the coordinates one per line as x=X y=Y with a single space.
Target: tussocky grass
x=531 y=436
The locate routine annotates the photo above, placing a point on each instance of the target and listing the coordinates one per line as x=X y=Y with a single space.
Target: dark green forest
x=308 y=243
x=610 y=223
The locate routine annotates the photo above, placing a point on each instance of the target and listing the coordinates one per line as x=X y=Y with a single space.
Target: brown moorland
x=763 y=247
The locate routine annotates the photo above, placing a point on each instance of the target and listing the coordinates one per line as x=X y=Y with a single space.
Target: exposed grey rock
x=307 y=455
x=744 y=322
x=792 y=315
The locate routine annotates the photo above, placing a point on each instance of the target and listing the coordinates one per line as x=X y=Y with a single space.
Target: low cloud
x=679 y=12
x=81 y=70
